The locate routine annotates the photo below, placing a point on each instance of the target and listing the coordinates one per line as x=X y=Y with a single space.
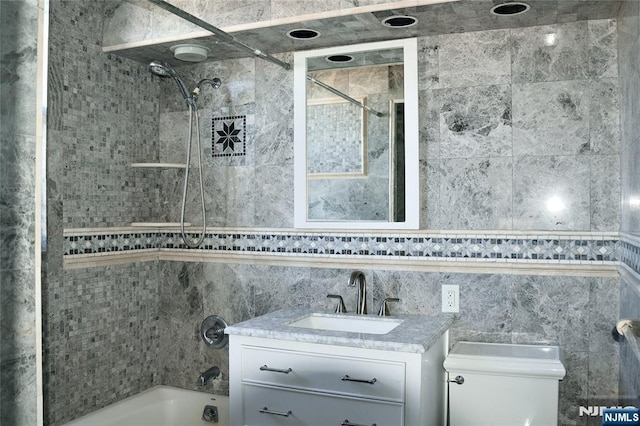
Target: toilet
x=502 y=384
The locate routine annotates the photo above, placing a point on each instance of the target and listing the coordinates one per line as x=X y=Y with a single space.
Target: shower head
x=162 y=69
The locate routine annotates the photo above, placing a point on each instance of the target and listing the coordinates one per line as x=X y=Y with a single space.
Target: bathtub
x=159 y=406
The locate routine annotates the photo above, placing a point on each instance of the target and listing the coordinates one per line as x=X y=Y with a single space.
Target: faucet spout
x=358 y=276
x=208 y=375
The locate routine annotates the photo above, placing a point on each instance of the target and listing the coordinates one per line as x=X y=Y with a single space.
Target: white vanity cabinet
x=282 y=382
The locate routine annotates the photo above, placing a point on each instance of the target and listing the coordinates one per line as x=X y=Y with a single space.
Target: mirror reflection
x=351 y=144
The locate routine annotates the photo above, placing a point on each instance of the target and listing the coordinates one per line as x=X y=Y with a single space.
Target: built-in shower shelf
x=158 y=224
x=160 y=165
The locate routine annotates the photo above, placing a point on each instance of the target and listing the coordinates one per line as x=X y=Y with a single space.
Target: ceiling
x=444 y=18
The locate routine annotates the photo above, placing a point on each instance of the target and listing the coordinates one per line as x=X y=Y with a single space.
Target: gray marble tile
x=604 y=116
x=429 y=122
x=603 y=48
x=17 y=232
x=128 y=21
x=550 y=53
x=17 y=314
x=274 y=201
x=552 y=310
x=476 y=193
x=605 y=192
x=419 y=293
x=629 y=308
x=344 y=199
x=430 y=194
x=274 y=115
x=485 y=303
x=18 y=392
x=573 y=388
x=18 y=107
x=551 y=118
x=474 y=59
x=227 y=292
x=604 y=311
x=474 y=121
x=546 y=197
x=428 y=63
x=285 y=8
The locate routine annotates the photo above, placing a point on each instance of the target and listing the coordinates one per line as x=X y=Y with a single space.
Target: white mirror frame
x=412 y=176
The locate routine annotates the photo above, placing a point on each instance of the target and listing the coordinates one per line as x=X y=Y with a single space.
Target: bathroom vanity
x=296 y=367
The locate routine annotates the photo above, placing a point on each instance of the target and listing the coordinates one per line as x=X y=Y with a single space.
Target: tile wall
x=629 y=46
x=501 y=134
x=100 y=325
x=18 y=110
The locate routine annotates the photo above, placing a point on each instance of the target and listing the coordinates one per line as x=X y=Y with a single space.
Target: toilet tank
x=503 y=384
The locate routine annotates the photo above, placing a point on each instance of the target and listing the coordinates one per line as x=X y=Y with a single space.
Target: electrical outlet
x=450 y=298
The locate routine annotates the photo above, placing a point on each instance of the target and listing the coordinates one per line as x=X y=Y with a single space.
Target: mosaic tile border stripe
x=630 y=252
x=534 y=249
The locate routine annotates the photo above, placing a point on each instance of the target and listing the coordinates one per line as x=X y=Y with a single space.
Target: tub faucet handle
x=340 y=308
x=384 y=309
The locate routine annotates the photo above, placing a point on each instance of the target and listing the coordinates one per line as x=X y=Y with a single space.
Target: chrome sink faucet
x=358 y=276
x=208 y=375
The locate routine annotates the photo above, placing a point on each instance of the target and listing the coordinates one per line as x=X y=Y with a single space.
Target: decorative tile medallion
x=228 y=136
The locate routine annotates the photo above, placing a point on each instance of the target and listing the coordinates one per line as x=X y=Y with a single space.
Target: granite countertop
x=415 y=334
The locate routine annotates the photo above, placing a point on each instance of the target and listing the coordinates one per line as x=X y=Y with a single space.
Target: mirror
x=356 y=136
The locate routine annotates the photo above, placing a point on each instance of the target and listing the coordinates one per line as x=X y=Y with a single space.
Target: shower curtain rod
x=217 y=31
x=344 y=96
x=257 y=52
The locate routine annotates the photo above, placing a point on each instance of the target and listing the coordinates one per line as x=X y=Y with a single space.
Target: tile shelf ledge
x=160 y=225
x=159 y=165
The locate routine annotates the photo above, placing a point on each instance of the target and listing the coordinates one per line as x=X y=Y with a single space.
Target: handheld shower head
x=164 y=70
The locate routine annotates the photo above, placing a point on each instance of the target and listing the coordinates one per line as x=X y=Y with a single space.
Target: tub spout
x=208 y=375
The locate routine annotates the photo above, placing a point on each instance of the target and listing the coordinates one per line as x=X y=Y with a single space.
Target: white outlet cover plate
x=450 y=298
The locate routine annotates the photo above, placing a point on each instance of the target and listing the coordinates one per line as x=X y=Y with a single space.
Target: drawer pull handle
x=348 y=423
x=275 y=370
x=346 y=378
x=277 y=413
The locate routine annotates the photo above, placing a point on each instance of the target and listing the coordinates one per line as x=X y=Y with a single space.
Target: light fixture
x=190 y=52
x=510 y=9
x=303 y=34
x=399 y=21
x=339 y=58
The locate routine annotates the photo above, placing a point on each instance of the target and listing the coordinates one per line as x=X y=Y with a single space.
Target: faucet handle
x=340 y=308
x=384 y=310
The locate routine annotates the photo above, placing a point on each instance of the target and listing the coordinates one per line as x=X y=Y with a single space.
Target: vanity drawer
x=324 y=373
x=266 y=406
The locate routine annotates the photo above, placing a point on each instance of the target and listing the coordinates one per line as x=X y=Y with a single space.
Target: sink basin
x=369 y=325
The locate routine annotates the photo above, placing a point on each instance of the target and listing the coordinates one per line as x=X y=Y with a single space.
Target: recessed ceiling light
x=510 y=9
x=399 y=21
x=303 y=34
x=339 y=58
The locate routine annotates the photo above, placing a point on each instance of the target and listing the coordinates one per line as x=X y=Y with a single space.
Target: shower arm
x=217 y=31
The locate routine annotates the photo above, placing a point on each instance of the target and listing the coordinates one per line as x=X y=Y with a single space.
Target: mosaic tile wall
x=628 y=46
x=102 y=340
x=18 y=110
x=102 y=116
x=334 y=138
